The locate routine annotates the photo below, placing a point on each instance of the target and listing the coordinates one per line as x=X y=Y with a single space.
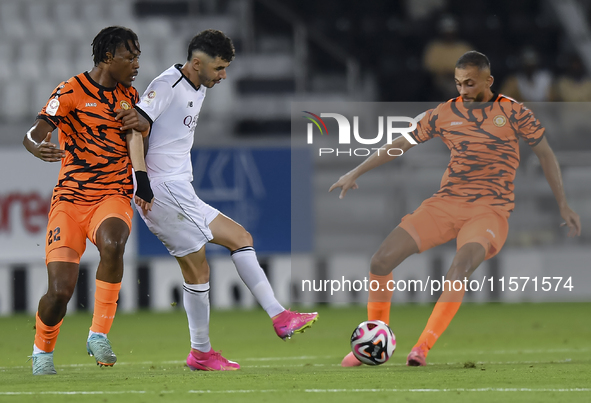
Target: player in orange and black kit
x=100 y=138
x=482 y=130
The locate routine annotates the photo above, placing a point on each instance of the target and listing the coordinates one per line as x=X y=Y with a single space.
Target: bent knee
x=243 y=239
x=380 y=264
x=112 y=248
x=59 y=297
x=460 y=271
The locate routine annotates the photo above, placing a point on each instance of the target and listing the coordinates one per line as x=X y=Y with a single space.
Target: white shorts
x=179 y=218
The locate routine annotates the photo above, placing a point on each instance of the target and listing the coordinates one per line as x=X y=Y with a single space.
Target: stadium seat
x=39 y=20
x=92 y=10
x=29 y=62
x=6 y=61
x=154 y=28
x=14 y=100
x=119 y=12
x=68 y=21
x=59 y=66
x=11 y=21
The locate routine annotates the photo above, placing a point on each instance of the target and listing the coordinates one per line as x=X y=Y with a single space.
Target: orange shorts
x=70 y=224
x=439 y=220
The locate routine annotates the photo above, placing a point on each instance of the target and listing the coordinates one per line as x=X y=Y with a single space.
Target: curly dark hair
x=473 y=58
x=109 y=39
x=212 y=42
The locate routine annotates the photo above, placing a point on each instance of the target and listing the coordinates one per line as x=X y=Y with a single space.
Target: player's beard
x=478 y=99
x=207 y=82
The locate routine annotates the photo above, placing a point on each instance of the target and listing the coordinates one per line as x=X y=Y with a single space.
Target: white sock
x=196 y=302
x=245 y=260
x=90 y=333
x=37 y=350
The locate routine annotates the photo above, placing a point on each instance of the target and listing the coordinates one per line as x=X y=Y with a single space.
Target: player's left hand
x=572 y=220
x=131 y=119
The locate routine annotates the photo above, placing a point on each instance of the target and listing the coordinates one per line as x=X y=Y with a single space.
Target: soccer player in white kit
x=182 y=221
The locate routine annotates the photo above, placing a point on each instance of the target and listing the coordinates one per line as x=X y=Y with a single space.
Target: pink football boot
x=287 y=323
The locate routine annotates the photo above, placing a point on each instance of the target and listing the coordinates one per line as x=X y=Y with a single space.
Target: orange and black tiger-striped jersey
x=484 y=145
x=97 y=163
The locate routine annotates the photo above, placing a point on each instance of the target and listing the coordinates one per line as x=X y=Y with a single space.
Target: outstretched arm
x=551 y=170
x=378 y=158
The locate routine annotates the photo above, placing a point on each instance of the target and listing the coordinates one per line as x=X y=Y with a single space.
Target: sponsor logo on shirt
x=190 y=121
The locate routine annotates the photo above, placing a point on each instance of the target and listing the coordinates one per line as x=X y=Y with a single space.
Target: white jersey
x=172 y=104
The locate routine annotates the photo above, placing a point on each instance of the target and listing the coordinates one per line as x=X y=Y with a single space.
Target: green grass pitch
x=491 y=352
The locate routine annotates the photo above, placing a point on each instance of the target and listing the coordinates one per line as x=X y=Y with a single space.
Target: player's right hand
x=572 y=221
x=345 y=182
x=47 y=151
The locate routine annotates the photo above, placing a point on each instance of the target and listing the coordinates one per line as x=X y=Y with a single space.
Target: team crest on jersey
x=125 y=105
x=52 y=107
x=499 y=120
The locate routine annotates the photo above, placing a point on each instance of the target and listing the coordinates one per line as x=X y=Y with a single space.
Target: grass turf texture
x=493 y=352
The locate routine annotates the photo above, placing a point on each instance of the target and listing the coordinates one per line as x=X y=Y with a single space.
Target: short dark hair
x=212 y=42
x=109 y=39
x=473 y=58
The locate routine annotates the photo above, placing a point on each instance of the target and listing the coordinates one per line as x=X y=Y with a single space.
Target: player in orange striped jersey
x=482 y=130
x=100 y=139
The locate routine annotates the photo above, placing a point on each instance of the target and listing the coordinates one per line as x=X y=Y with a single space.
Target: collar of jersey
x=179 y=67
x=479 y=105
x=97 y=85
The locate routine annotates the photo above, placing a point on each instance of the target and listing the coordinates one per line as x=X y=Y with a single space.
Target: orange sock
x=378 y=306
x=105 y=306
x=444 y=311
x=46 y=336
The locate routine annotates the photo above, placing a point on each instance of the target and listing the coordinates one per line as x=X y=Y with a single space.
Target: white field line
x=80 y=392
x=394 y=390
x=239 y=391
x=526 y=351
x=302 y=357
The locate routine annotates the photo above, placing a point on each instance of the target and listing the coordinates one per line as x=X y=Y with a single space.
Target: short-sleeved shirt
x=172 y=103
x=484 y=144
x=97 y=163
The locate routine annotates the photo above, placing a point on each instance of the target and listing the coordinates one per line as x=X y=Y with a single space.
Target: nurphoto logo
x=344 y=135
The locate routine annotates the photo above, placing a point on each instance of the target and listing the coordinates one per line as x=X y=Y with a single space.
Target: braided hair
x=109 y=39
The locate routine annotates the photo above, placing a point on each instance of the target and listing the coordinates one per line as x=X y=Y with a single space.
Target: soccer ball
x=373 y=342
